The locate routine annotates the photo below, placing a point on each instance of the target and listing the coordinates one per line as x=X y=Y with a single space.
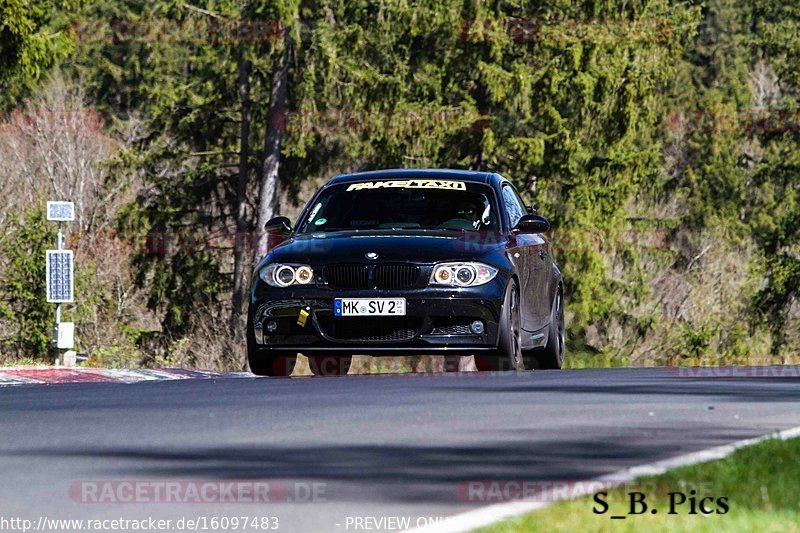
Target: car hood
x=418 y=247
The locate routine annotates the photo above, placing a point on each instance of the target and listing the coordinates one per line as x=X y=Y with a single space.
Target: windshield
x=403 y=204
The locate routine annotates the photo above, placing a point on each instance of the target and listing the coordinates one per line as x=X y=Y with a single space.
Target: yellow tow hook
x=301 y=319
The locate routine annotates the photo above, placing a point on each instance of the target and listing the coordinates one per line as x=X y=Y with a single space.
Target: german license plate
x=369 y=307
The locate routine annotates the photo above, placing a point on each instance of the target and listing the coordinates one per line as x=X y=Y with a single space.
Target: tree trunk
x=276 y=118
x=240 y=254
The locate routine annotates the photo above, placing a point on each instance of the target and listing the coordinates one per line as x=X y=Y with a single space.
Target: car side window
x=514 y=205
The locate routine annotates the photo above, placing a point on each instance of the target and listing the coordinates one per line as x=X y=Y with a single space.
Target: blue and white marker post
x=61 y=283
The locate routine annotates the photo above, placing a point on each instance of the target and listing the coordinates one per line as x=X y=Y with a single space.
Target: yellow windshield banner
x=410 y=184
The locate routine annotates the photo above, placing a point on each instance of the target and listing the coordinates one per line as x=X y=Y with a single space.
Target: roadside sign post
x=61 y=279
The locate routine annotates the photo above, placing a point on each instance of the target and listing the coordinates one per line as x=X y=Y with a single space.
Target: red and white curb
x=33 y=375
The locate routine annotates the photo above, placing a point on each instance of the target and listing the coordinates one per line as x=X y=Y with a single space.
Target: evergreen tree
x=34 y=36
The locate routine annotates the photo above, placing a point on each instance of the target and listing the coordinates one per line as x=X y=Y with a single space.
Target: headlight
x=462 y=274
x=282 y=275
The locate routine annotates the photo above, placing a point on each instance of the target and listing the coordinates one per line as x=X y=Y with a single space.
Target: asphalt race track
x=360 y=447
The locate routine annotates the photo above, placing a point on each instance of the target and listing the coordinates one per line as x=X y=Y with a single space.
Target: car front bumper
x=437 y=320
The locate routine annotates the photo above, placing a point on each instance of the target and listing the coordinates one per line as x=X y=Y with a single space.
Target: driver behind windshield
x=465 y=216
x=339 y=209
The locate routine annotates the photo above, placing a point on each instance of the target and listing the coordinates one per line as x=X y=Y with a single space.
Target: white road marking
x=486 y=516
x=129 y=376
x=14 y=380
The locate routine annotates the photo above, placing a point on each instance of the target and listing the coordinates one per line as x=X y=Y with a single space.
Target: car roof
x=412 y=173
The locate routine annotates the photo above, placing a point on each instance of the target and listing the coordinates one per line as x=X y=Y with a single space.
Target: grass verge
x=23 y=361
x=761 y=484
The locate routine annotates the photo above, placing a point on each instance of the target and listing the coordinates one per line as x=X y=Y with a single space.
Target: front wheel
x=267 y=362
x=551 y=357
x=264 y=363
x=509 y=355
x=330 y=365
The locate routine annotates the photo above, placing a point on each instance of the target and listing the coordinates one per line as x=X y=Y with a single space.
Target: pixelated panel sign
x=60 y=278
x=61 y=211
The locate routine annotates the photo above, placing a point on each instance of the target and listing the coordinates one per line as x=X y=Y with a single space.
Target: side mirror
x=530 y=209
x=532 y=224
x=278 y=225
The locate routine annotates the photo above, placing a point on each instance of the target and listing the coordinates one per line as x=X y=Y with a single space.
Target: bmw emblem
x=371 y=255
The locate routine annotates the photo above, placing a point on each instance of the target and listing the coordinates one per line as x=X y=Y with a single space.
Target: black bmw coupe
x=405 y=262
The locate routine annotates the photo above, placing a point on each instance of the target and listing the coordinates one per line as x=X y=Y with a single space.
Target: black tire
x=267 y=362
x=509 y=356
x=330 y=365
x=452 y=363
x=551 y=357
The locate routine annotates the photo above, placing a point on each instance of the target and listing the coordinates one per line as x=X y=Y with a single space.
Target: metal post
x=60 y=288
x=56 y=351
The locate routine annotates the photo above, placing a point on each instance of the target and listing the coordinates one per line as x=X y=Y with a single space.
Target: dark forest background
x=661 y=139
